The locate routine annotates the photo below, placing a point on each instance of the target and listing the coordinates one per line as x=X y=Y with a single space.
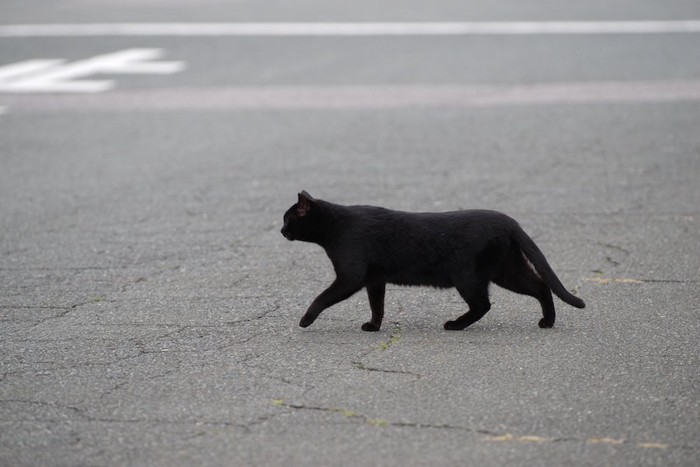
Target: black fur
x=371 y=247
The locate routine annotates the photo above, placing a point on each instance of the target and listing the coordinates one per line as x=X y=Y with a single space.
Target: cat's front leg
x=338 y=291
x=375 y=292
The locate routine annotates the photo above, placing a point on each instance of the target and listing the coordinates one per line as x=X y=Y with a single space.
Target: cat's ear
x=304 y=203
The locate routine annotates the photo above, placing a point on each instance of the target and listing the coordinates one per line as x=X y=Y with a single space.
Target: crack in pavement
x=361 y=366
x=489 y=435
x=257 y=317
x=80 y=413
x=68 y=309
x=612 y=246
x=393 y=339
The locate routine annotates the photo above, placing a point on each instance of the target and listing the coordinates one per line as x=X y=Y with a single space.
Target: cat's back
x=460 y=223
x=465 y=216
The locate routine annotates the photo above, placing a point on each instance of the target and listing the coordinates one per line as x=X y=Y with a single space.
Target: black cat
x=372 y=246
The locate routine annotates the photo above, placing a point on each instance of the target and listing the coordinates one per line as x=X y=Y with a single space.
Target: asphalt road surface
x=149 y=304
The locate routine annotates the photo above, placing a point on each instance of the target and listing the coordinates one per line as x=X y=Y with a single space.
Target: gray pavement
x=149 y=305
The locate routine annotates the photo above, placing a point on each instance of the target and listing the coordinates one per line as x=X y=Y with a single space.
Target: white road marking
x=9 y=72
x=55 y=76
x=351 y=29
x=363 y=97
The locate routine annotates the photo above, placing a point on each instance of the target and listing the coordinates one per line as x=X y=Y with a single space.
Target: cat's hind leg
x=517 y=275
x=375 y=292
x=477 y=297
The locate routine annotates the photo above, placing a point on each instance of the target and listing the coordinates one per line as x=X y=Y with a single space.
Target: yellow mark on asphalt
x=653 y=445
x=612 y=280
x=534 y=439
x=392 y=340
x=604 y=441
x=522 y=439
x=346 y=412
x=378 y=422
x=506 y=437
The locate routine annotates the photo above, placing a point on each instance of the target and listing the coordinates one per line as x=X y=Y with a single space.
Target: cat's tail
x=542 y=267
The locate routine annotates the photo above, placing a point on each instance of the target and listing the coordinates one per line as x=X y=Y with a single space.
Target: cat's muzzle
x=286 y=234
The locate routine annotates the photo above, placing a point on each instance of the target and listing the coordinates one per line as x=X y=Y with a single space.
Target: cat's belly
x=418 y=278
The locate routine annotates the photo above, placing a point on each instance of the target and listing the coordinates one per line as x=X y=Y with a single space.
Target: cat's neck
x=331 y=220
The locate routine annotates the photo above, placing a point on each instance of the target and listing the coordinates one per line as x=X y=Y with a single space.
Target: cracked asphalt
x=149 y=304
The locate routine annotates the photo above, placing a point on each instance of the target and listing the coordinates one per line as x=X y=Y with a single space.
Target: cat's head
x=298 y=220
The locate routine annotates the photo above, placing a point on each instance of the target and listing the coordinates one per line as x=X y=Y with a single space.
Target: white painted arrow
x=56 y=76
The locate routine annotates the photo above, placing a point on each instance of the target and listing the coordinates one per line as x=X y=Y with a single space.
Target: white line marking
x=351 y=29
x=54 y=76
x=8 y=72
x=362 y=97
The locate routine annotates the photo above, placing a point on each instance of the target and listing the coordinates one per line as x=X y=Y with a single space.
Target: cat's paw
x=545 y=323
x=370 y=327
x=306 y=321
x=454 y=326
